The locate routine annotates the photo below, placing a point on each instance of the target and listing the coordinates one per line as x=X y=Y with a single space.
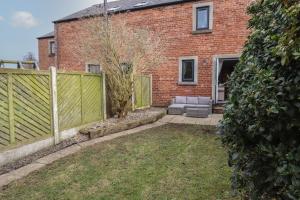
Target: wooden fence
x=142 y=92
x=25 y=111
x=32 y=101
x=80 y=99
x=36 y=105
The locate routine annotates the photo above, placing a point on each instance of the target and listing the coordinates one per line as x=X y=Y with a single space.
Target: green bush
x=261 y=125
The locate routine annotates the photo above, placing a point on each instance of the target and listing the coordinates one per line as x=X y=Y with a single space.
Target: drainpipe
x=105 y=11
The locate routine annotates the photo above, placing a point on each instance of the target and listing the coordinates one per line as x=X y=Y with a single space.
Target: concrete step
x=218 y=109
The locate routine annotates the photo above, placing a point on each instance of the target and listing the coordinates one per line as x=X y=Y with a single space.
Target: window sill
x=51 y=55
x=187 y=83
x=201 y=32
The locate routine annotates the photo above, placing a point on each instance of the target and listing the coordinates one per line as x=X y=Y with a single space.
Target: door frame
x=215 y=75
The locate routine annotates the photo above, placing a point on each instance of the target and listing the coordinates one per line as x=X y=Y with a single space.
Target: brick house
x=204 y=41
x=46 y=46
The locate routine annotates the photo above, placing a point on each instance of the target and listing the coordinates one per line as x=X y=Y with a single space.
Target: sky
x=22 y=21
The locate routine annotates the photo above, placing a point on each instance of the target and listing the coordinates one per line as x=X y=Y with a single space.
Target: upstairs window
x=202 y=18
x=92 y=68
x=52 y=48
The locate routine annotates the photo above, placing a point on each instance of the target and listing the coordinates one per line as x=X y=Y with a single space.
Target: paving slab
x=212 y=120
x=5 y=179
x=24 y=171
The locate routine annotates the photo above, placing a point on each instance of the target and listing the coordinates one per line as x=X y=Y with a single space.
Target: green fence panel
x=4 y=112
x=142 y=91
x=31 y=103
x=92 y=94
x=138 y=92
x=146 y=94
x=26 y=104
x=25 y=111
x=69 y=100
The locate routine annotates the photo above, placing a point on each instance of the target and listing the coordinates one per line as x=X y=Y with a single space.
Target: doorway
x=223 y=69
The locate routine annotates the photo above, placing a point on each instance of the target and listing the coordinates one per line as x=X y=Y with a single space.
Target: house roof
x=48 y=35
x=119 y=6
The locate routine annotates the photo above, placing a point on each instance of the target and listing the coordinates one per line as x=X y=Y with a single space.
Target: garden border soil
x=113 y=125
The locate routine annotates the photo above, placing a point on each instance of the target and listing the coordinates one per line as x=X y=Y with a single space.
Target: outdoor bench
x=193 y=106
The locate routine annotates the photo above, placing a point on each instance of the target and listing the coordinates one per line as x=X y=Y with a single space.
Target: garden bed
x=132 y=120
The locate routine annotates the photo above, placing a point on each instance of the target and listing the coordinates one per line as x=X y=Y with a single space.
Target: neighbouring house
x=204 y=41
x=46 y=45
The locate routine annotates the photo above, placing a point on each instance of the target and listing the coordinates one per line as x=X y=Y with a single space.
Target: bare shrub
x=122 y=51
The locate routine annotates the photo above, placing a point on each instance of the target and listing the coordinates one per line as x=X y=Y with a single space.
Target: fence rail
x=20 y=64
x=27 y=110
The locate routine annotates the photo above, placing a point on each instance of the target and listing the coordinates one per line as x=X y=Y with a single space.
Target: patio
x=212 y=120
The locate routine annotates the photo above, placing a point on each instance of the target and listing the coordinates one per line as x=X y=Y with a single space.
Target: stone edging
x=100 y=132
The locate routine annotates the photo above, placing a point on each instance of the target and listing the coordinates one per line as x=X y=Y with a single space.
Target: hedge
x=261 y=125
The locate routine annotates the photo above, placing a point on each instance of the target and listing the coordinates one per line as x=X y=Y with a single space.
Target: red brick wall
x=174 y=23
x=45 y=60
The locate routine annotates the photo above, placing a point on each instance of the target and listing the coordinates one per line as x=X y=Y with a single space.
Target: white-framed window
x=93 y=68
x=52 y=47
x=203 y=17
x=188 y=70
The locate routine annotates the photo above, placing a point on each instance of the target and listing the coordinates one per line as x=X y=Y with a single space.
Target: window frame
x=197 y=18
x=87 y=68
x=195 y=70
x=51 y=46
x=210 y=17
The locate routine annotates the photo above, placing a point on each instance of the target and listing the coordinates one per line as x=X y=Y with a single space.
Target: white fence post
x=54 y=110
x=104 y=96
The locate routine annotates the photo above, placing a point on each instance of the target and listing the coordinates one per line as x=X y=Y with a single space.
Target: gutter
x=47 y=37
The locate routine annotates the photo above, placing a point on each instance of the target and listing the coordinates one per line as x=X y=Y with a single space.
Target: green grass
x=168 y=162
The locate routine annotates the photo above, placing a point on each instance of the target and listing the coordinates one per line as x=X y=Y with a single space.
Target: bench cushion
x=204 y=100
x=196 y=106
x=177 y=105
x=180 y=100
x=192 y=100
x=197 y=112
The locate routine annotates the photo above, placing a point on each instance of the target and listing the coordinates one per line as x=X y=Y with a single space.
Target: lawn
x=168 y=162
